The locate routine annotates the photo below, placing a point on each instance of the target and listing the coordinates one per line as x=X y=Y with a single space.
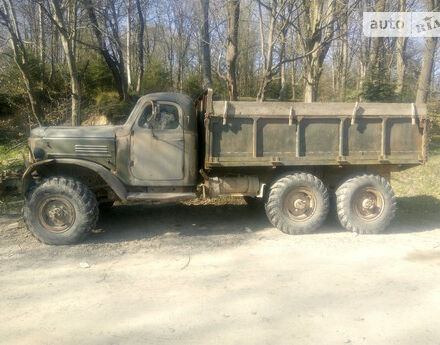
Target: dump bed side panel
x=280 y=133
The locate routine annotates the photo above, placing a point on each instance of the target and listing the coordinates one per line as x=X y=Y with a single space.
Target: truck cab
x=156 y=147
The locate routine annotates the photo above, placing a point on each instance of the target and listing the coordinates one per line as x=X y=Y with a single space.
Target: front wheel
x=297 y=203
x=366 y=204
x=60 y=210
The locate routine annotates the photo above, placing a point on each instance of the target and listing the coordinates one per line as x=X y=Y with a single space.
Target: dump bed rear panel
x=282 y=133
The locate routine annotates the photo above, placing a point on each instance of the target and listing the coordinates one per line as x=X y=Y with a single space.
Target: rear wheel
x=366 y=204
x=60 y=210
x=297 y=203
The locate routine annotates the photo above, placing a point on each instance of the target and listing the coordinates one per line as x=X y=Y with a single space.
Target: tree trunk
x=267 y=53
x=128 y=56
x=118 y=48
x=342 y=82
x=311 y=84
x=7 y=13
x=317 y=36
x=365 y=43
x=205 y=45
x=232 y=49
x=400 y=56
x=140 y=47
x=283 y=71
x=376 y=53
x=113 y=65
x=293 y=80
x=74 y=81
x=68 y=47
x=424 y=81
x=41 y=46
x=400 y=64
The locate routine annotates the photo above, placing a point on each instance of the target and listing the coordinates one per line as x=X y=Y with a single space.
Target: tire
x=60 y=210
x=366 y=204
x=297 y=204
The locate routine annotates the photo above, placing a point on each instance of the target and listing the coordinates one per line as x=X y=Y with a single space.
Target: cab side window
x=167 y=117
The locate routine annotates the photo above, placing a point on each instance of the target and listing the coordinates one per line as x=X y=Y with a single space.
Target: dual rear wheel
x=299 y=204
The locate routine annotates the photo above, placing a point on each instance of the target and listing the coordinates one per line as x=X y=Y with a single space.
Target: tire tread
x=83 y=196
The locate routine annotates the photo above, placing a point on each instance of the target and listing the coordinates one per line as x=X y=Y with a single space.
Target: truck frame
x=292 y=157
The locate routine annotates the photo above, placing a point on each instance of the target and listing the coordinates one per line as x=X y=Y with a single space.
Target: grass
x=11 y=204
x=11 y=160
x=418 y=191
x=11 y=157
x=421 y=180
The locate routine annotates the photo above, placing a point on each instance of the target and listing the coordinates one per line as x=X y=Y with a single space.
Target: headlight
x=39 y=153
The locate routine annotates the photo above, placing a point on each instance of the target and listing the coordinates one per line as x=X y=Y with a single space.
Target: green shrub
x=156 y=78
x=192 y=85
x=97 y=77
x=378 y=86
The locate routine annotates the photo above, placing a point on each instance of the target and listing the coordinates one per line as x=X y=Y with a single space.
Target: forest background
x=87 y=61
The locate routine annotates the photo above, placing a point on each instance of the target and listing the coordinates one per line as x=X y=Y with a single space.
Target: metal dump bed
x=285 y=133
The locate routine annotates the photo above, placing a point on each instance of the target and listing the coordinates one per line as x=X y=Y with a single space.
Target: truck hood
x=101 y=132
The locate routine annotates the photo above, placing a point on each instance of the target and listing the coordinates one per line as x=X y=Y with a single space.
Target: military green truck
x=291 y=157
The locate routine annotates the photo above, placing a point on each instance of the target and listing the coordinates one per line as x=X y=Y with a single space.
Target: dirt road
x=221 y=275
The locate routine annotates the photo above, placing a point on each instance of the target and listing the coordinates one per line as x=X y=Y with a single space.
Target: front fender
x=111 y=180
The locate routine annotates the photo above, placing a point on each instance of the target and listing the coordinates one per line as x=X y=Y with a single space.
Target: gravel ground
x=210 y=274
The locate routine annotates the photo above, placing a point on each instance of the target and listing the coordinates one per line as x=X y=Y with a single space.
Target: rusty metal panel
x=100 y=150
x=317 y=109
x=276 y=138
x=283 y=133
x=405 y=139
x=364 y=139
x=233 y=139
x=320 y=138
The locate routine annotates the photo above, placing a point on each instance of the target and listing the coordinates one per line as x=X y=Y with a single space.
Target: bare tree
x=293 y=66
x=315 y=33
x=128 y=50
x=280 y=16
x=141 y=30
x=21 y=58
x=364 y=58
x=205 y=44
x=113 y=55
x=232 y=48
x=184 y=27
x=400 y=55
x=377 y=42
x=282 y=53
x=424 y=81
x=343 y=52
x=41 y=41
x=66 y=26
x=267 y=49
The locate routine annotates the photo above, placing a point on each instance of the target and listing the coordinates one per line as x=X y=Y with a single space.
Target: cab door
x=157 y=143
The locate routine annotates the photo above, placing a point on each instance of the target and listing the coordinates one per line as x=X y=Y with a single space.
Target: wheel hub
x=368 y=203
x=300 y=204
x=56 y=214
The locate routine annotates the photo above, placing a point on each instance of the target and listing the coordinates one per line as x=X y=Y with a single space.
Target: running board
x=160 y=196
